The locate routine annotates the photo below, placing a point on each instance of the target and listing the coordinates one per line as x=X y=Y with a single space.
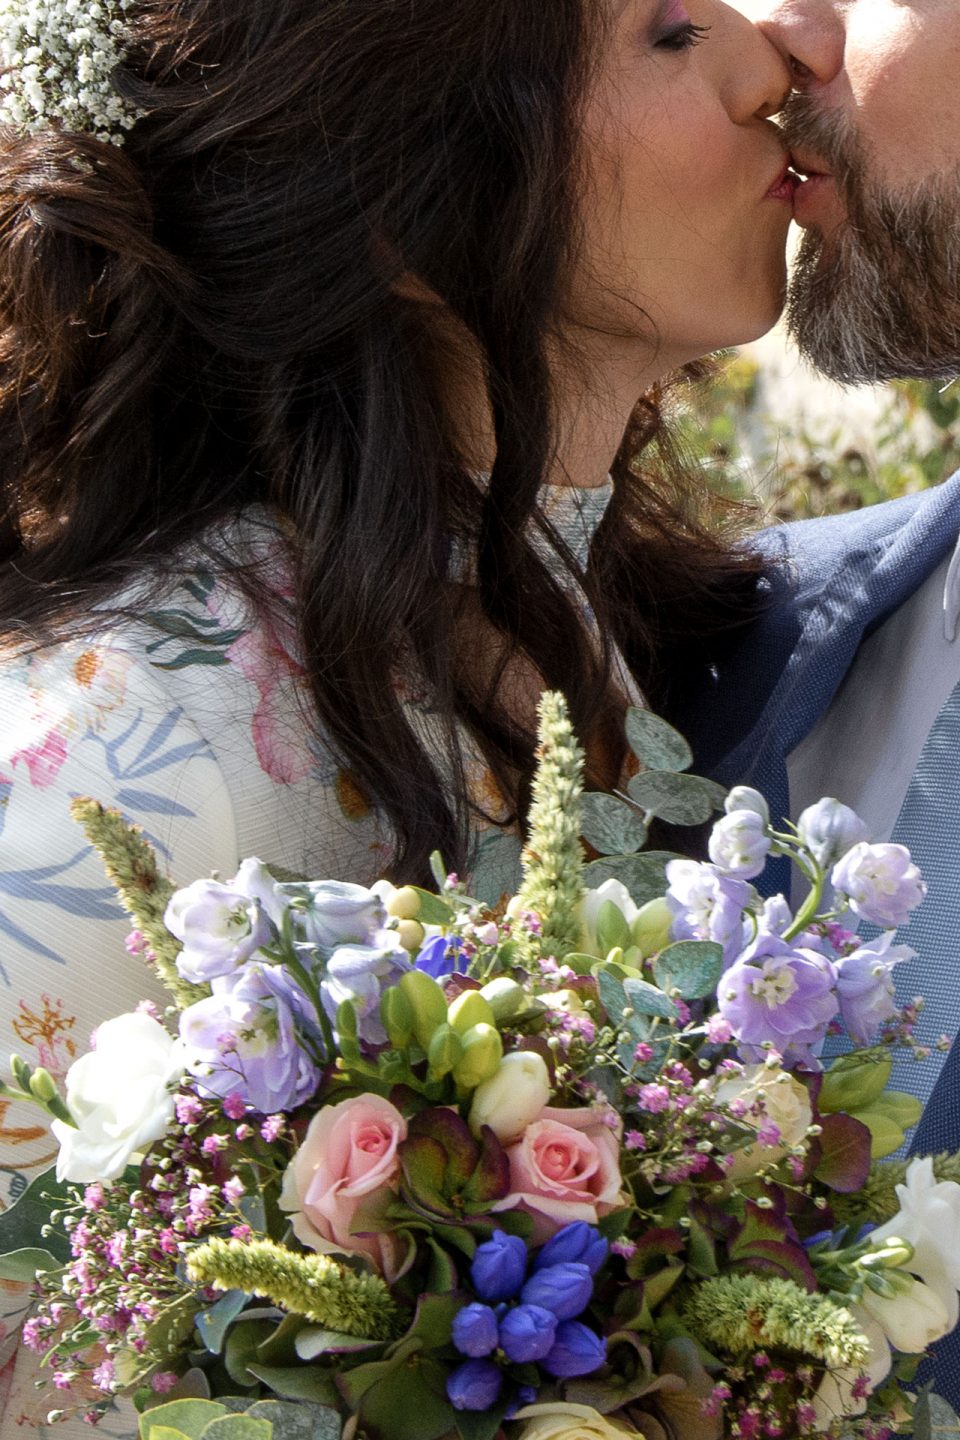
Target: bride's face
x=686 y=209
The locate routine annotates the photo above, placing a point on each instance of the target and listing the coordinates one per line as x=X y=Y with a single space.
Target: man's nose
x=808 y=33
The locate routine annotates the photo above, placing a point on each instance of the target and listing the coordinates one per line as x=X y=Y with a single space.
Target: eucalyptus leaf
x=656 y=743
x=214 y=1323
x=22 y=1224
x=297 y=1382
x=305 y=1421
x=678 y=799
x=254 y=1210
x=314 y=1341
x=691 y=967
x=641 y=874
x=943 y=1419
x=238 y=1427
x=647 y=999
x=26 y=1264
x=190 y=1417
x=610 y=825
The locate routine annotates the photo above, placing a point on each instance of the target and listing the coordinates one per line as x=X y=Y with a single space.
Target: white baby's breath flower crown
x=56 y=62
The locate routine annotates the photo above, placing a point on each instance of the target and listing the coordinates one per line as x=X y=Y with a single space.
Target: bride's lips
x=815 y=198
x=784 y=184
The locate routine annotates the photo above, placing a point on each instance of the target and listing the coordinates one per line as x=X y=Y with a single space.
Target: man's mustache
x=807 y=129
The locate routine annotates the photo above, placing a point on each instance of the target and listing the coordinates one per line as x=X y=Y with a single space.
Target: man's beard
x=879 y=297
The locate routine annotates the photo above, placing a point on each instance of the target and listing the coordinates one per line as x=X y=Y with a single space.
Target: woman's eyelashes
x=682 y=36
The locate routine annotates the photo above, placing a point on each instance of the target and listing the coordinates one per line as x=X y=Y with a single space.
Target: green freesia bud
x=482 y=1053
x=444 y=1051
x=428 y=1002
x=891 y=1254
x=20 y=1071
x=43 y=1086
x=651 y=927
x=470 y=1009
x=504 y=996
x=396 y=1014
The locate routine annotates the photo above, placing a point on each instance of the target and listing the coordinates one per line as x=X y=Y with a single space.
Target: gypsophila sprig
x=58 y=58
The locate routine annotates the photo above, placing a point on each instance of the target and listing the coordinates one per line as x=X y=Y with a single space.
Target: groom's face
x=875 y=124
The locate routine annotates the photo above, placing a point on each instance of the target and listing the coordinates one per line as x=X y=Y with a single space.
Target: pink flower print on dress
x=265 y=656
x=68 y=695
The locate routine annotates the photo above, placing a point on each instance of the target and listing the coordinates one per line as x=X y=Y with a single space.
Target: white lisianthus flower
x=512 y=1098
x=912 y=1319
x=830 y=829
x=840 y=1393
x=121 y=1097
x=618 y=894
x=929 y=1220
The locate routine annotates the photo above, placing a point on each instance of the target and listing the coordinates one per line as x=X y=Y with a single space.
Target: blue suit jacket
x=832 y=582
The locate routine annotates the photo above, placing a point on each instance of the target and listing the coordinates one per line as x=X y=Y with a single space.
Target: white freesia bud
x=912 y=1319
x=744 y=797
x=121 y=1097
x=512 y=1098
x=829 y=830
x=618 y=894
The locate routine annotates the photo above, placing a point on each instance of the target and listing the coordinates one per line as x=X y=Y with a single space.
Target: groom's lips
x=815 y=199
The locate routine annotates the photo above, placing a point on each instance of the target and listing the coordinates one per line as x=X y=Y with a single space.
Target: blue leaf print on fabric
x=142 y=764
x=33 y=885
x=152 y=803
x=29 y=942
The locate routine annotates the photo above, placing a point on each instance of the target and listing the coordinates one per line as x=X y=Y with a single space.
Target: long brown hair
x=209 y=318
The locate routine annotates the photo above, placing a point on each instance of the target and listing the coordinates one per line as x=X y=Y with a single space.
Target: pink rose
x=342 y=1178
x=566 y=1166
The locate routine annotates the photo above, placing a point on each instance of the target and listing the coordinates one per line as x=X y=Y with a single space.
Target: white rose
x=834 y=1399
x=929 y=1220
x=563 y=1420
x=512 y=1098
x=912 y=1319
x=785 y=1103
x=617 y=894
x=120 y=1096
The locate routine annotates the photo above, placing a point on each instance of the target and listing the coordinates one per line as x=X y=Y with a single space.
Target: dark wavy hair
x=209 y=318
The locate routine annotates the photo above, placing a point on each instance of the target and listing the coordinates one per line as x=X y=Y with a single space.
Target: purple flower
x=439 y=956
x=829 y=829
x=219 y=928
x=577 y=1350
x=475 y=1331
x=360 y=973
x=474 y=1385
x=739 y=844
x=781 y=996
x=707 y=905
x=245 y=1039
x=565 y=1289
x=329 y=913
x=527 y=1333
x=576 y=1242
x=880 y=883
x=499 y=1267
x=865 y=986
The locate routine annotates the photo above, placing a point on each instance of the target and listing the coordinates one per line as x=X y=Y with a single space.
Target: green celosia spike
x=553 y=856
x=310 y=1285
x=741 y=1314
x=877 y=1200
x=132 y=869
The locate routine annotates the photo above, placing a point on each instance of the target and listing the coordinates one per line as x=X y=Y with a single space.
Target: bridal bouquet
x=395 y=1165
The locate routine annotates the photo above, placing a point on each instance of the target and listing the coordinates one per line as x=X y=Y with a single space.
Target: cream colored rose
x=562 y=1421
x=767 y=1097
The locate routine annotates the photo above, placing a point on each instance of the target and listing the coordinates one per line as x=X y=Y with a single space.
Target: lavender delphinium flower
x=880 y=883
x=360 y=973
x=707 y=905
x=865 y=986
x=829 y=830
x=246 y=1039
x=779 y=995
x=739 y=844
x=328 y=913
x=219 y=928
x=254 y=880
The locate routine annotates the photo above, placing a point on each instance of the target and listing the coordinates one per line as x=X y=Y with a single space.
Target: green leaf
x=643 y=875
x=646 y=999
x=480 y=1424
x=855 y=1081
x=238 y=1427
x=410 y=1403
x=691 y=967
x=433 y=910
x=214 y=1323
x=22 y=1224
x=25 y=1265
x=610 y=825
x=678 y=799
x=188 y=1416
x=314 y=1341
x=612 y=928
x=433 y=1321
x=298 y=1382
x=240 y=1351
x=656 y=743
x=903 y=1109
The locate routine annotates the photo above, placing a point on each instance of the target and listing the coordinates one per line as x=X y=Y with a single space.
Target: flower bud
x=577 y=1350
x=891 y=1254
x=744 y=797
x=428 y=1002
x=42 y=1085
x=527 y=1333
x=578 y=1243
x=411 y=934
x=403 y=904
x=396 y=1015
x=512 y=1097
x=504 y=996
x=474 y=1385
x=470 y=1009
x=739 y=844
x=480 y=1060
x=498 y=1267
x=651 y=927
x=475 y=1331
x=444 y=1051
x=21 y=1071
x=565 y=1289
x=829 y=830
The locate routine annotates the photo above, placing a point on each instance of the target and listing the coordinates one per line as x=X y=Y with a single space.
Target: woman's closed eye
x=681 y=37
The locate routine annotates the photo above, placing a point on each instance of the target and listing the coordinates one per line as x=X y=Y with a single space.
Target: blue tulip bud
x=564 y=1290
x=527 y=1333
x=578 y=1243
x=474 y=1385
x=475 y=1331
x=499 y=1267
x=576 y=1351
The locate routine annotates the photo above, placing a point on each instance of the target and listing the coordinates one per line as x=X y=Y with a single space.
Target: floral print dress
x=190 y=720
